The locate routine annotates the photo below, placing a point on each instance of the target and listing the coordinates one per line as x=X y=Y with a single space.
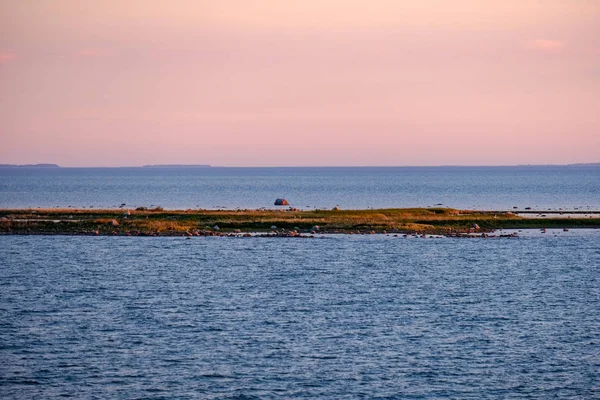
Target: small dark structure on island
x=281 y=202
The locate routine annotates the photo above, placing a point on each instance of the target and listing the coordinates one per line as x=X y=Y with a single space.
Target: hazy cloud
x=90 y=52
x=545 y=45
x=7 y=56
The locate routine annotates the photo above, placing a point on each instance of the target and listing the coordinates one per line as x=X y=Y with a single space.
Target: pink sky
x=271 y=82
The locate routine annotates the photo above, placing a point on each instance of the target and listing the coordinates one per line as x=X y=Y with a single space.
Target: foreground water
x=337 y=317
x=480 y=188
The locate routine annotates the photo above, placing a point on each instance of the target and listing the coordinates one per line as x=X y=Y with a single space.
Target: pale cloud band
x=546 y=45
x=7 y=56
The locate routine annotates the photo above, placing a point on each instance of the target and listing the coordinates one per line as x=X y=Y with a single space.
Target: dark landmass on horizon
x=586 y=164
x=29 y=166
x=176 y=166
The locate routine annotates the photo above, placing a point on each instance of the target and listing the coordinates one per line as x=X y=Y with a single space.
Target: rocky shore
x=416 y=222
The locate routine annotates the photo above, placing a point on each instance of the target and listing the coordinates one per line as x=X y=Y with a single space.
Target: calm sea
x=342 y=317
x=331 y=317
x=487 y=188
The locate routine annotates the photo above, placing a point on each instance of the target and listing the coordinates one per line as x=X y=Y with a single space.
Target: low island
x=287 y=223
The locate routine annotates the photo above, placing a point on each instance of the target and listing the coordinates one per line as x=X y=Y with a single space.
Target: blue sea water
x=334 y=317
x=486 y=188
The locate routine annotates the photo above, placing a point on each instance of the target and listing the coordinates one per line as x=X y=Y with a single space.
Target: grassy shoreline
x=158 y=222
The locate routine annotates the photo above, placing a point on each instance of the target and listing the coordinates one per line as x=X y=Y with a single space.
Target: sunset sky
x=293 y=83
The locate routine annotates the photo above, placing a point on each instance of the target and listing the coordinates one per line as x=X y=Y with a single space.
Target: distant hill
x=29 y=166
x=177 y=166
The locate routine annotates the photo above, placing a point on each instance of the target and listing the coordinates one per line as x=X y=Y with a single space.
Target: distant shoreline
x=30 y=166
x=183 y=166
x=288 y=222
x=176 y=166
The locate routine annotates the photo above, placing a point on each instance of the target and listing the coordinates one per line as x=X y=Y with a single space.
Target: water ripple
x=344 y=317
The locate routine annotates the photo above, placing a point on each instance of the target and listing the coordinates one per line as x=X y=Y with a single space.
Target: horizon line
x=150 y=166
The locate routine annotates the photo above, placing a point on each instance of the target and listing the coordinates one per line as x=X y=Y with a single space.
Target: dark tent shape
x=281 y=202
